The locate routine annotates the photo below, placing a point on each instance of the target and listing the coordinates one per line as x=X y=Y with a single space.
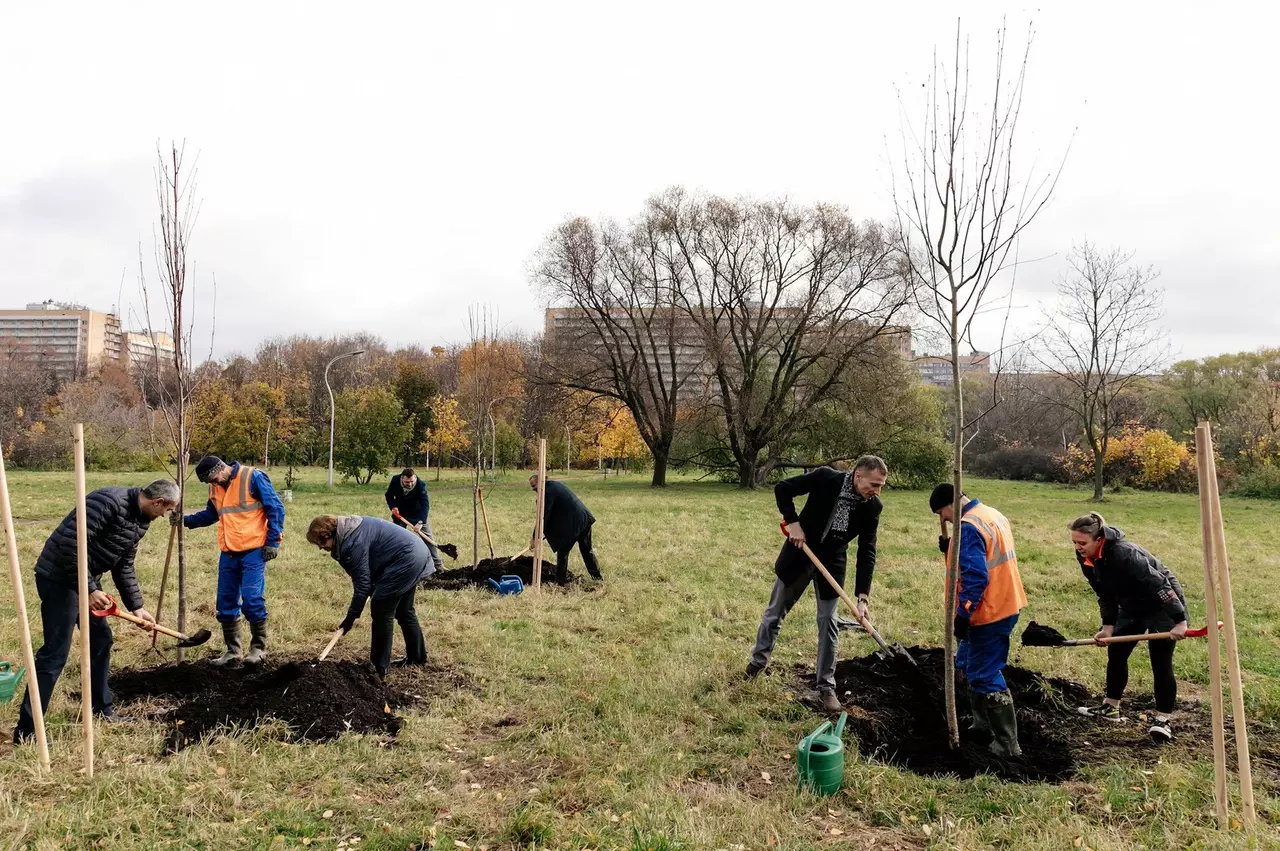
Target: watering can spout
x=844 y=716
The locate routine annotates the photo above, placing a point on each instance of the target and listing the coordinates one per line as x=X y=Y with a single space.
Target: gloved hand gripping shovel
x=895 y=649
x=183 y=640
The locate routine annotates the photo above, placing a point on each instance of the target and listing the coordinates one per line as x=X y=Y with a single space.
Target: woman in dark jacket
x=1136 y=594
x=385 y=562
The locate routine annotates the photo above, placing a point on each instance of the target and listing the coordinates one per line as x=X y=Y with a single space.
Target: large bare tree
x=622 y=335
x=788 y=302
x=961 y=207
x=1100 y=337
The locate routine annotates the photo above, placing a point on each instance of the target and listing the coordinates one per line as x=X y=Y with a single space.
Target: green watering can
x=820 y=758
x=9 y=681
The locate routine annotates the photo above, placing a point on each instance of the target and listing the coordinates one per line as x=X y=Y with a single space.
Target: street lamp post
x=332 y=411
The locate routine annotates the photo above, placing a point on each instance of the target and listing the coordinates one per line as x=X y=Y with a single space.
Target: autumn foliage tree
x=371 y=430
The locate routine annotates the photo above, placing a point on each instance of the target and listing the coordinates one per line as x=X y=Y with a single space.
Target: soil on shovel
x=896 y=713
x=492 y=568
x=317 y=702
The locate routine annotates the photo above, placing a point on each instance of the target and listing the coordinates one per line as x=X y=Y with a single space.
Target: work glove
x=269 y=552
x=346 y=625
x=943 y=543
x=175 y=517
x=960 y=628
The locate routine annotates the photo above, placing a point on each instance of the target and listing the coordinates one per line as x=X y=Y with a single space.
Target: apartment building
x=68 y=339
x=142 y=349
x=936 y=370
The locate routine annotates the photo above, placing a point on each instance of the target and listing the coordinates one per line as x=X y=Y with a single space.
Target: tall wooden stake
x=164 y=578
x=82 y=570
x=485 y=514
x=1205 y=472
x=541 y=502
x=24 y=627
x=1244 y=766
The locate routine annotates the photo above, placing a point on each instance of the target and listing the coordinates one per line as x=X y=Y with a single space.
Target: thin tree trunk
x=953 y=560
x=1099 y=460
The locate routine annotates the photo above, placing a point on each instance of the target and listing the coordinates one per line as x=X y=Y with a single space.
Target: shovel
x=183 y=640
x=894 y=650
x=337 y=633
x=1039 y=635
x=451 y=550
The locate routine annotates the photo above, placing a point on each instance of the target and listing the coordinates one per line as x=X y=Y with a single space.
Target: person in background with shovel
x=565 y=522
x=989 y=598
x=1136 y=594
x=385 y=562
x=250 y=518
x=840 y=507
x=407 y=494
x=115 y=521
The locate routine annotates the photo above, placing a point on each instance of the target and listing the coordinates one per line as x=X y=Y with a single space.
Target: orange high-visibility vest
x=1003 y=596
x=242 y=521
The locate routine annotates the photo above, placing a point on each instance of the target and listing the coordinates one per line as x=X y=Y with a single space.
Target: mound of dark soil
x=492 y=568
x=896 y=713
x=317 y=702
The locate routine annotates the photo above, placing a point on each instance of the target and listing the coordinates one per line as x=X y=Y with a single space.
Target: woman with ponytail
x=1136 y=594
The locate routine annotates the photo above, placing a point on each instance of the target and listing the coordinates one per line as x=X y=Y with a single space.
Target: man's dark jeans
x=588 y=558
x=60 y=613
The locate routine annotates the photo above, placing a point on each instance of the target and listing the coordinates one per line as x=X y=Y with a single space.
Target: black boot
x=231 y=635
x=257 y=644
x=1004 y=725
x=980 y=726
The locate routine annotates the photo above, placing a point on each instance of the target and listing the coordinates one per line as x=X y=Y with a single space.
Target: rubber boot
x=231 y=635
x=1004 y=725
x=980 y=726
x=258 y=643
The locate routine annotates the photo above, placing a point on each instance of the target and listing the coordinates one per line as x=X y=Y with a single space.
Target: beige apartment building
x=68 y=339
x=142 y=349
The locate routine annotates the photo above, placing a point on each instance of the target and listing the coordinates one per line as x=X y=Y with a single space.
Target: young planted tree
x=1099 y=338
x=961 y=207
x=448 y=432
x=173 y=381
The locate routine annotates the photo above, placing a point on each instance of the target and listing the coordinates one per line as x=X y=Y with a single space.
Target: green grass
x=615 y=718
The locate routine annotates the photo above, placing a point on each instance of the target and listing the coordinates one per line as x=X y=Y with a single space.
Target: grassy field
x=616 y=717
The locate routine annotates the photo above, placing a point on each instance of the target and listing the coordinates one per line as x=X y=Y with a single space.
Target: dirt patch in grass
x=492 y=568
x=316 y=702
x=896 y=715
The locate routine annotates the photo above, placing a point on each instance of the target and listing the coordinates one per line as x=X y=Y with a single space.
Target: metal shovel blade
x=902 y=651
x=195 y=640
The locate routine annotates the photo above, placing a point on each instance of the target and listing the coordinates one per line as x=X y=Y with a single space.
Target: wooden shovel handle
x=154 y=627
x=1148 y=636
x=853 y=607
x=337 y=633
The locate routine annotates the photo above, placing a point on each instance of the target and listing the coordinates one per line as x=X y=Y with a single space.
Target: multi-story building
x=936 y=369
x=68 y=339
x=142 y=349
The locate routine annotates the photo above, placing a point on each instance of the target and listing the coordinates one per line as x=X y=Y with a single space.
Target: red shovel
x=183 y=640
x=1039 y=635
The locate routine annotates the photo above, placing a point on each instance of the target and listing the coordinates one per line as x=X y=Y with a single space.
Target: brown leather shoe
x=752 y=672
x=829 y=701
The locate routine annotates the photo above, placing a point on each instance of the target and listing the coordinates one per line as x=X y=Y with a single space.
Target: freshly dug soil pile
x=896 y=713
x=492 y=568
x=1039 y=635
x=318 y=702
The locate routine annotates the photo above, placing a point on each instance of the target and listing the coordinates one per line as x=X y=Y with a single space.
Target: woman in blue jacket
x=385 y=562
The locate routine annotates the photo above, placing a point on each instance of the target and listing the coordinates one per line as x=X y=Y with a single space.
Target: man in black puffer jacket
x=839 y=508
x=115 y=519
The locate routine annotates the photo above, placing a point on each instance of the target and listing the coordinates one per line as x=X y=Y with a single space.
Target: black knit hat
x=207 y=467
x=943 y=495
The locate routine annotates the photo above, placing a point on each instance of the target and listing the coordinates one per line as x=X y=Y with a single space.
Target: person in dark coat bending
x=565 y=522
x=840 y=507
x=385 y=562
x=408 y=494
x=115 y=521
x=1136 y=594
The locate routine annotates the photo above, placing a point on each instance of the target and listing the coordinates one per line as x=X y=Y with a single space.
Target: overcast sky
x=380 y=167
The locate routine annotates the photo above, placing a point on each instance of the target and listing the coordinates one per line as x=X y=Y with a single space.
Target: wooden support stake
x=24 y=627
x=541 y=502
x=164 y=577
x=1204 y=472
x=1238 y=721
x=82 y=570
x=487 y=534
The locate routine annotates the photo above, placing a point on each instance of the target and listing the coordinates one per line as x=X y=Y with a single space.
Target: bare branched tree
x=961 y=207
x=173 y=381
x=1100 y=337
x=622 y=336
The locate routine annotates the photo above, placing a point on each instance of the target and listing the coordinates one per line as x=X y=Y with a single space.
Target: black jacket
x=823 y=487
x=382 y=559
x=413 y=504
x=115 y=526
x=564 y=517
x=1131 y=583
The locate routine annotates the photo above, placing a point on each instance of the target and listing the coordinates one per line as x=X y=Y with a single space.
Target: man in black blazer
x=840 y=507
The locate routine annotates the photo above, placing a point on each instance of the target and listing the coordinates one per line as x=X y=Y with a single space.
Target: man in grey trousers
x=841 y=506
